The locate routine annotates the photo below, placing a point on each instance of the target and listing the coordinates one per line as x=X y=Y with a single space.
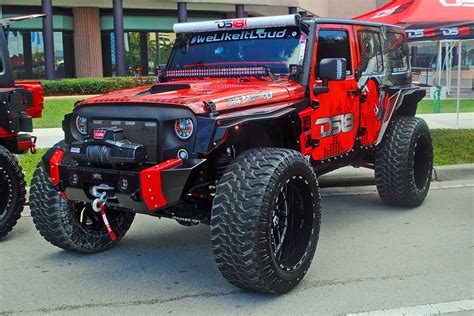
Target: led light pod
x=183 y=154
x=184 y=128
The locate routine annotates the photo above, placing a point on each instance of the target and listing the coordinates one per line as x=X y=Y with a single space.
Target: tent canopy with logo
x=428 y=19
x=448 y=22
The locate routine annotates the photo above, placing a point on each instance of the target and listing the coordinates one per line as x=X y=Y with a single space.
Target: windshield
x=277 y=47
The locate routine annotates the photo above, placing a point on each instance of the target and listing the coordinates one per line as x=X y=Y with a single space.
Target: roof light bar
x=236 y=24
x=216 y=72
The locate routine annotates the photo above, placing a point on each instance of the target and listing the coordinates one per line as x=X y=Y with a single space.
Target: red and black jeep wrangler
x=243 y=118
x=19 y=103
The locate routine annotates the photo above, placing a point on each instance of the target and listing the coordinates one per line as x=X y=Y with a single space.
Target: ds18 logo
x=336 y=124
x=229 y=24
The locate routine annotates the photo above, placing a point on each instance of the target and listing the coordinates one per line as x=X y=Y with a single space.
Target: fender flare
x=222 y=124
x=402 y=101
x=409 y=102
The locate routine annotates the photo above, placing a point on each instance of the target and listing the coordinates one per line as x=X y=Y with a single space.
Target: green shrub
x=92 y=85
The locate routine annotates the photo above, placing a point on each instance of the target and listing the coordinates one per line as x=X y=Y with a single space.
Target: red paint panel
x=391 y=104
x=306 y=144
x=5 y=134
x=25 y=145
x=54 y=166
x=150 y=184
x=34 y=87
x=226 y=93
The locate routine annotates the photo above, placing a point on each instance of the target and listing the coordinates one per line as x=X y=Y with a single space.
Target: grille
x=138 y=132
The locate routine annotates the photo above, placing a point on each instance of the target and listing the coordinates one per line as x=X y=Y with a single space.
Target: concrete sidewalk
x=448 y=120
x=47 y=137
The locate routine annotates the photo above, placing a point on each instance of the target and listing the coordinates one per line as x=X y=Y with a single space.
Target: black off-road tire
x=243 y=228
x=404 y=162
x=12 y=191
x=57 y=221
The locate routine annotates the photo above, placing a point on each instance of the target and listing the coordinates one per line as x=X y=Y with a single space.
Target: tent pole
x=459 y=83
x=440 y=65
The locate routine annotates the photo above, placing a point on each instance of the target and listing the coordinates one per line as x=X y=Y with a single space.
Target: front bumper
x=147 y=190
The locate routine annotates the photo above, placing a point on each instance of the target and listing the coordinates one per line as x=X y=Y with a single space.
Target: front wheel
x=404 y=162
x=72 y=225
x=12 y=191
x=265 y=220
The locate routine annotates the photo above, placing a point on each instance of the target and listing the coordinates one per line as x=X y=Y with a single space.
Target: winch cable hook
x=99 y=206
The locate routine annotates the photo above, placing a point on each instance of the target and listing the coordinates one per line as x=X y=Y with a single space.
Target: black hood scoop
x=161 y=88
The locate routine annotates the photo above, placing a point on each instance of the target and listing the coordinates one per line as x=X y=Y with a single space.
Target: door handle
x=353 y=92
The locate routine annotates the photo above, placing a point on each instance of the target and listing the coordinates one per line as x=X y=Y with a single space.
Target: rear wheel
x=404 y=162
x=72 y=225
x=265 y=220
x=12 y=191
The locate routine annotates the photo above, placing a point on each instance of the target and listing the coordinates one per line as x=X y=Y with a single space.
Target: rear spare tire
x=404 y=162
x=72 y=225
x=12 y=191
x=265 y=220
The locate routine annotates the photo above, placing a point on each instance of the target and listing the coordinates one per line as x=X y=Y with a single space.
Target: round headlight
x=81 y=125
x=184 y=128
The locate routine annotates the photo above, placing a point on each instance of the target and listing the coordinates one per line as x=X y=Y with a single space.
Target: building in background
x=85 y=41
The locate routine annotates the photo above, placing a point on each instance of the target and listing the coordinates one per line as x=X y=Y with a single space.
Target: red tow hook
x=99 y=206
x=106 y=223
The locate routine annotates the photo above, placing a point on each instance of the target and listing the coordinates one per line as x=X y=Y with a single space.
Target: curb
x=453 y=172
x=349 y=176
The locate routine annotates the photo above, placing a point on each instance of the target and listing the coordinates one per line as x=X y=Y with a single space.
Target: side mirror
x=332 y=69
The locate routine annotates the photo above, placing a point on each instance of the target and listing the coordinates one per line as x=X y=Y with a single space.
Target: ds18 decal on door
x=336 y=124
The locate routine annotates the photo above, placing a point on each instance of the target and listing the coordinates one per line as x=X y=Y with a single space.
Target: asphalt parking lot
x=370 y=257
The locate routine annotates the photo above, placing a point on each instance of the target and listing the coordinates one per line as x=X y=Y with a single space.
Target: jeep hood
x=226 y=94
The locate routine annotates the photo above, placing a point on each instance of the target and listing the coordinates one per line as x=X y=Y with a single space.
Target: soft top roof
x=354 y=22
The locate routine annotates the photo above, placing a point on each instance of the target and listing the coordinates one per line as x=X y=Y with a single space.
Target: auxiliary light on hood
x=214 y=72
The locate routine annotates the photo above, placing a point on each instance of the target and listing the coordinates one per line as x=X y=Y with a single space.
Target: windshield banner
x=239 y=36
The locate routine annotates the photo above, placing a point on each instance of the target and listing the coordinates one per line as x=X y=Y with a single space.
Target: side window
x=370 y=52
x=334 y=44
x=397 y=51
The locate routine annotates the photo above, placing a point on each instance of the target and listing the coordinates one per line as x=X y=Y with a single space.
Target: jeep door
x=335 y=118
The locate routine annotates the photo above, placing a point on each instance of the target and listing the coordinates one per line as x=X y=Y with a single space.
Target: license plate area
x=125 y=182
